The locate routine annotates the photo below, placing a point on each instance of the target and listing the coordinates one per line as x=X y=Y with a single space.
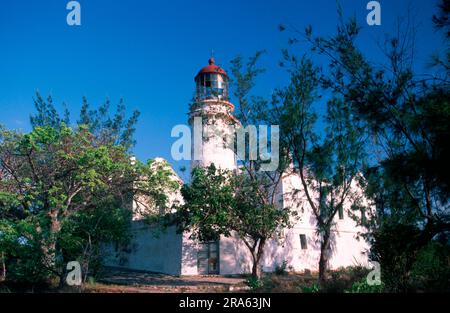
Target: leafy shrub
x=311 y=289
x=431 y=271
x=394 y=248
x=407 y=268
x=281 y=269
x=363 y=287
x=343 y=278
x=254 y=283
x=24 y=259
x=84 y=234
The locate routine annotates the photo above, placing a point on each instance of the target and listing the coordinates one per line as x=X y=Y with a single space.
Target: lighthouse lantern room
x=211 y=83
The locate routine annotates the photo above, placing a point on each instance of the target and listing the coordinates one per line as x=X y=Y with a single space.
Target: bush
x=407 y=268
x=431 y=271
x=83 y=235
x=363 y=287
x=394 y=249
x=343 y=278
x=254 y=283
x=312 y=289
x=281 y=269
x=24 y=246
x=23 y=255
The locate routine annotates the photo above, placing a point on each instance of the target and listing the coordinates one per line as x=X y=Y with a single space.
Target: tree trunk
x=323 y=261
x=55 y=227
x=3 y=266
x=256 y=271
x=50 y=249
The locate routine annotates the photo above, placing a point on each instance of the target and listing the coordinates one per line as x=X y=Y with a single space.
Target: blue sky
x=148 y=52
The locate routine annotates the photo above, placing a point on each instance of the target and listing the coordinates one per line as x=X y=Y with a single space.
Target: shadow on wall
x=316 y=240
x=235 y=258
x=189 y=255
x=148 y=250
x=279 y=251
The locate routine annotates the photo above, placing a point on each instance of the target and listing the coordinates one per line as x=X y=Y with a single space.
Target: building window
x=341 y=212
x=303 y=244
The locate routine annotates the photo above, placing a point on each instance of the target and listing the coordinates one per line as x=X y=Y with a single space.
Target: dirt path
x=131 y=281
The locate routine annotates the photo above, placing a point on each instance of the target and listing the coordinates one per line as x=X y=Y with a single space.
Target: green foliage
x=221 y=203
x=254 y=283
x=393 y=247
x=84 y=234
x=328 y=161
x=406 y=116
x=217 y=202
x=112 y=130
x=20 y=243
x=47 y=115
x=431 y=271
x=281 y=269
x=382 y=121
x=243 y=80
x=64 y=193
x=344 y=278
x=363 y=287
x=311 y=289
x=408 y=268
x=208 y=204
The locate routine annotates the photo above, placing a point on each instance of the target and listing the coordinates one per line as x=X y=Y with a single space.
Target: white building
x=177 y=254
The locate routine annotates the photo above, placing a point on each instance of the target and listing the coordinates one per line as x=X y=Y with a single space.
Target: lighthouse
x=211 y=119
x=213 y=128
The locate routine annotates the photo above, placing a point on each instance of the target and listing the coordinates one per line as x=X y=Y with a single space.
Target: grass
x=339 y=281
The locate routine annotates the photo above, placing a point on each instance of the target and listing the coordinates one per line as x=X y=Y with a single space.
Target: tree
x=222 y=203
x=406 y=116
x=328 y=167
x=64 y=192
x=328 y=162
x=250 y=111
x=442 y=20
x=107 y=129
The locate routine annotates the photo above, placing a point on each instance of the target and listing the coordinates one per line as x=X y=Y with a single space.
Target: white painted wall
x=176 y=254
x=215 y=132
x=146 y=252
x=189 y=256
x=347 y=247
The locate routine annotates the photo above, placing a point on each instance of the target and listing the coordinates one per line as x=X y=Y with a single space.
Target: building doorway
x=208 y=258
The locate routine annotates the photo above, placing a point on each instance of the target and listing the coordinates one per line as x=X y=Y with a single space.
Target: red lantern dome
x=211 y=68
x=211 y=83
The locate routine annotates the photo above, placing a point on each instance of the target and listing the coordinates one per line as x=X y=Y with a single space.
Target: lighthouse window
x=207 y=80
x=211 y=85
x=213 y=78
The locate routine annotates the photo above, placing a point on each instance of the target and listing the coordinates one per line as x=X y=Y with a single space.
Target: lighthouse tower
x=211 y=120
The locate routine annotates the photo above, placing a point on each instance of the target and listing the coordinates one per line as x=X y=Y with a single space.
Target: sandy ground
x=130 y=281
